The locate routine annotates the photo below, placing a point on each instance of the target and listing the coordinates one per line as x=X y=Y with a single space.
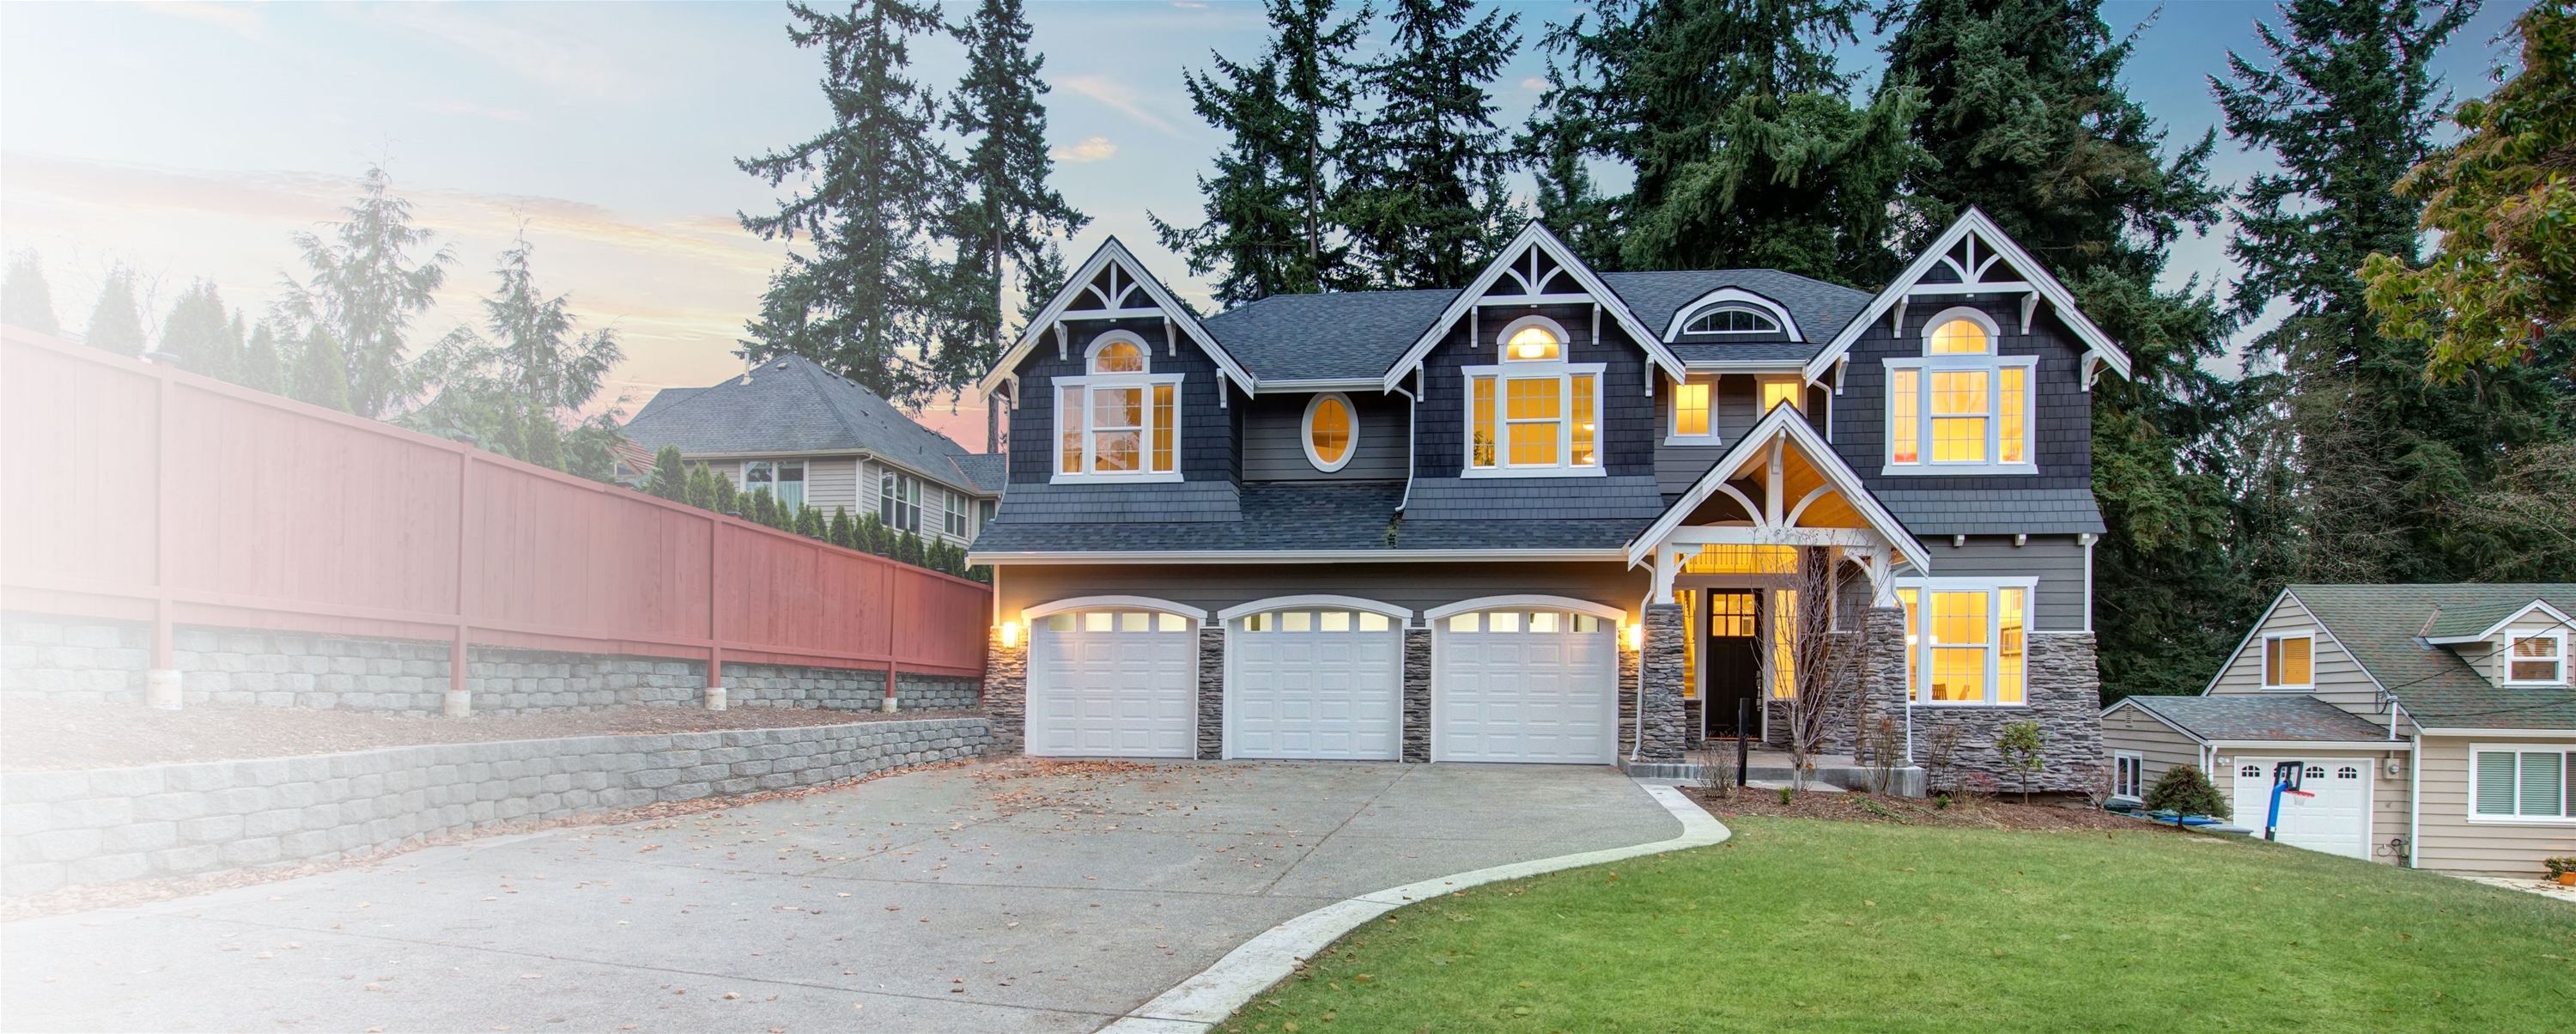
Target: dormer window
x=2535 y=659
x=1120 y=420
x=1962 y=408
x=1732 y=319
x=1533 y=414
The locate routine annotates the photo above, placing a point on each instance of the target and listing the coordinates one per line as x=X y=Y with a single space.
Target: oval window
x=1330 y=430
x=1959 y=337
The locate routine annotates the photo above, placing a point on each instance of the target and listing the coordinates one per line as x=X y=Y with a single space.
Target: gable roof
x=1168 y=307
x=1788 y=422
x=1343 y=336
x=1974 y=222
x=2284 y=717
x=1536 y=235
x=2478 y=619
x=791 y=405
x=2381 y=627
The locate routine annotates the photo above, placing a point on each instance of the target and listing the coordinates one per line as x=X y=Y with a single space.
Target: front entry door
x=1734 y=660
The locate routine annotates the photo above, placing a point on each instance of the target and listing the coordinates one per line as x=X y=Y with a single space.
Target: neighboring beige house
x=2433 y=725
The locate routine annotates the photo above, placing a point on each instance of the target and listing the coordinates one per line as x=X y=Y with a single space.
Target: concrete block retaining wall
x=94 y=662
x=70 y=828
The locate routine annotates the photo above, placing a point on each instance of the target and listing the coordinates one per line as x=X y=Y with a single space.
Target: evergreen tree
x=1423 y=192
x=670 y=478
x=1006 y=222
x=262 y=367
x=866 y=303
x=1270 y=225
x=844 y=532
x=1735 y=121
x=809 y=522
x=364 y=289
x=728 y=501
x=204 y=339
x=519 y=391
x=2345 y=103
x=25 y=301
x=760 y=508
x=874 y=536
x=320 y=375
x=908 y=549
x=701 y=490
x=116 y=323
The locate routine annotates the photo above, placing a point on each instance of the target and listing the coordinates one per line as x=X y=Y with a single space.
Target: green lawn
x=1801 y=924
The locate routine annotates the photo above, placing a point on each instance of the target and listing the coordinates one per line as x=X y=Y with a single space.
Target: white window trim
x=805 y=471
x=1529 y=369
x=2263 y=663
x=1055 y=444
x=1730 y=306
x=1564 y=341
x=2505 y=657
x=1306 y=432
x=1992 y=587
x=2118 y=756
x=904 y=501
x=2518 y=820
x=1993 y=364
x=1673 y=412
x=1091 y=352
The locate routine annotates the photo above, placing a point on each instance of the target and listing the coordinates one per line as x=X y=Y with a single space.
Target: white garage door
x=1525 y=685
x=1315 y=684
x=2336 y=820
x=1113 y=683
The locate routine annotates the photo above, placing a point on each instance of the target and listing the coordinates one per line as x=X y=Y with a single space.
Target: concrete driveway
x=991 y=897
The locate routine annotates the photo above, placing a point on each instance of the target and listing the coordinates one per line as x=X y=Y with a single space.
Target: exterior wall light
x=1636 y=636
x=1010 y=634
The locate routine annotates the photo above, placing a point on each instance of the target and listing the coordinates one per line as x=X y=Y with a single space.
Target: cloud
x=1117 y=95
x=1534 y=84
x=1097 y=148
x=455 y=107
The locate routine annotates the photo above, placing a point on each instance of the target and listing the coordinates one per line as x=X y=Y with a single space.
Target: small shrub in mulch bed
x=1968 y=812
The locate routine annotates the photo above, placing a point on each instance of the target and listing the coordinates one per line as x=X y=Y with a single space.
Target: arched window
x=1533 y=413
x=1962 y=404
x=1331 y=431
x=1732 y=319
x=1119 y=420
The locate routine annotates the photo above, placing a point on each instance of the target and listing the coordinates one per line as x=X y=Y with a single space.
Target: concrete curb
x=1205 y=1000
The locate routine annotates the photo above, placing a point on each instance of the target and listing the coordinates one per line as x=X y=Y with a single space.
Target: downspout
x=1411 y=432
x=2414 y=796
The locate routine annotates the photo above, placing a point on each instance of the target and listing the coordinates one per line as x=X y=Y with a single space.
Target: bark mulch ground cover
x=1966 y=812
x=45 y=737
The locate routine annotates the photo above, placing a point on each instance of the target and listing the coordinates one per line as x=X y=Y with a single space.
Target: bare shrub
x=1824 y=682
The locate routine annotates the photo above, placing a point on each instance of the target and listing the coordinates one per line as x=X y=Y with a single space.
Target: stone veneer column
x=1882 y=674
x=1211 y=692
x=1006 y=692
x=1664 y=670
x=1417 y=694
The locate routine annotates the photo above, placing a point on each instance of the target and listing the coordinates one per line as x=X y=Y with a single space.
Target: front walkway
x=947 y=900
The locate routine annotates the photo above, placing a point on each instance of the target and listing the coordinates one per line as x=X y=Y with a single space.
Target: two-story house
x=814 y=438
x=1550 y=517
x=2423 y=725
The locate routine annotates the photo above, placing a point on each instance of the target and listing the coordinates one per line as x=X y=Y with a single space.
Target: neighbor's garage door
x=1113 y=683
x=1526 y=685
x=2335 y=821
x=1315 y=684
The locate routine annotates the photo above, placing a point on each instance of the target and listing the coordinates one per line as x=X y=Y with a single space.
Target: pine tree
x=670 y=478
x=759 y=508
x=1007 y=220
x=204 y=339
x=908 y=549
x=25 y=301
x=320 y=374
x=2344 y=101
x=728 y=500
x=866 y=303
x=844 y=532
x=809 y=522
x=520 y=391
x=116 y=323
x=874 y=536
x=262 y=367
x=701 y=490
x=1423 y=193
x=1735 y=121
x=1270 y=224
x=364 y=289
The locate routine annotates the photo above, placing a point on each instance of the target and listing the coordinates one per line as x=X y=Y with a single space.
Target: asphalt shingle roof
x=1346 y=335
x=2380 y=626
x=2278 y=716
x=1821 y=309
x=988 y=471
x=791 y=405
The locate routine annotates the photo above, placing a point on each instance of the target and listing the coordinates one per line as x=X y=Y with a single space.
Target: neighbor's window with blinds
x=2522 y=783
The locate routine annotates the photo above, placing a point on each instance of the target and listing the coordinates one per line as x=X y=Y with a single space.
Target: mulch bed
x=1968 y=812
x=44 y=737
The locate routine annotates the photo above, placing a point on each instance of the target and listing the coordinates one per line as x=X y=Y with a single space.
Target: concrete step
x=1906 y=781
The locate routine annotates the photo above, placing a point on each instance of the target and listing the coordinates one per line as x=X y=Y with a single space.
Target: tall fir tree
x=1745 y=146
x=1004 y=225
x=320 y=373
x=116 y=322
x=206 y=340
x=25 y=301
x=363 y=287
x=520 y=391
x=2024 y=117
x=2388 y=462
x=670 y=479
x=866 y=303
x=1423 y=193
x=1269 y=221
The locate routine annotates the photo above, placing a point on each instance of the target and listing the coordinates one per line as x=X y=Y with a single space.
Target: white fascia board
x=2250 y=633
x=2492 y=630
x=1170 y=308
x=1783 y=420
x=1291 y=556
x=2038 y=278
x=1535 y=235
x=2498 y=734
x=2295 y=746
x=1783 y=367
x=1321 y=384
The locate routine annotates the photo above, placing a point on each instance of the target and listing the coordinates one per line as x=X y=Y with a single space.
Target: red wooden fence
x=139 y=492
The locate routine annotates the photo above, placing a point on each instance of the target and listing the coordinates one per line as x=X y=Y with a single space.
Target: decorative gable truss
x=1974 y=257
x=1535 y=269
x=1112 y=285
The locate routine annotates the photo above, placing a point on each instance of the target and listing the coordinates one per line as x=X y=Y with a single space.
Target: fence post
x=460 y=701
x=894 y=607
x=715 y=621
x=161 y=680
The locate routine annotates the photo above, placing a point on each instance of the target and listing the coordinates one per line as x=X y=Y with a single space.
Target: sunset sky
x=190 y=140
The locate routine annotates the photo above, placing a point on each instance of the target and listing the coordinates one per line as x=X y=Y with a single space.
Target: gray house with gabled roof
x=819 y=439
x=1552 y=516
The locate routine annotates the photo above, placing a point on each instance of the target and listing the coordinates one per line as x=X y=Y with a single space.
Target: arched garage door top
x=1507 y=602
x=1112 y=602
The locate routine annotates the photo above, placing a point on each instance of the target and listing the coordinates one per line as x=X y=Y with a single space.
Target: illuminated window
x=1970 y=405
x=1784 y=643
x=1958 y=337
x=1533 y=413
x=1330 y=432
x=1483 y=421
x=1121 y=419
x=2287 y=661
x=1959 y=413
x=1691 y=408
x=1905 y=421
x=1532 y=343
x=1967 y=645
x=1777 y=390
x=1119 y=357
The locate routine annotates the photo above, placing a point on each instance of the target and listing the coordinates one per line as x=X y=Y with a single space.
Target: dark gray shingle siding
x=1602 y=498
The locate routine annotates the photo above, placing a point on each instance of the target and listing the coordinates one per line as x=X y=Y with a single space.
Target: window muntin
x=2129 y=774
x=2522 y=783
x=1692 y=402
x=2289 y=661
x=1732 y=319
x=1966 y=644
x=2535 y=659
x=1118 y=356
x=1957 y=336
x=1331 y=432
x=1960 y=409
x=1777 y=390
x=953 y=506
x=1534 y=413
x=899 y=502
x=1121 y=420
x=1970 y=405
x=785 y=480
